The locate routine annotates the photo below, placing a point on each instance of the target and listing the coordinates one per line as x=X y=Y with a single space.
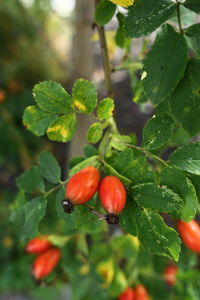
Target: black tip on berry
x=67 y=206
x=112 y=219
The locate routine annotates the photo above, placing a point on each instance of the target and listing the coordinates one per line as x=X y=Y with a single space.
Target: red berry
x=44 y=263
x=81 y=188
x=38 y=245
x=113 y=197
x=190 y=234
x=141 y=293
x=128 y=294
x=170 y=274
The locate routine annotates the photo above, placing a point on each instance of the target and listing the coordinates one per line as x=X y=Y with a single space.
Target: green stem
x=56 y=187
x=179 y=17
x=146 y=152
x=113 y=126
x=106 y=62
x=104 y=144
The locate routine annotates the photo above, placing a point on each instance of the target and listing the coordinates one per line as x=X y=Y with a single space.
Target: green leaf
x=63 y=129
x=28 y=217
x=120 y=38
x=20 y=199
x=139 y=171
x=159 y=66
x=119 y=141
x=145 y=16
x=104 y=12
x=179 y=137
x=127 y=217
x=188 y=17
x=58 y=240
x=90 y=150
x=52 y=97
x=194 y=73
x=160 y=199
x=158 y=130
x=49 y=167
x=119 y=283
x=113 y=172
x=193 y=36
x=184 y=102
x=139 y=93
x=156 y=236
x=91 y=161
x=37 y=120
x=193 y=5
x=84 y=96
x=31 y=180
x=180 y=184
x=122 y=160
x=187 y=158
x=126 y=244
x=105 y=109
x=75 y=161
x=195 y=179
x=94 y=133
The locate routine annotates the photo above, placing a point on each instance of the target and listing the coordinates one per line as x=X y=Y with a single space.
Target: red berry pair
x=47 y=259
x=138 y=293
x=84 y=184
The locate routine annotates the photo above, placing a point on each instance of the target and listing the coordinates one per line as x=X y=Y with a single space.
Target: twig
x=97 y=213
x=56 y=187
x=106 y=63
x=179 y=17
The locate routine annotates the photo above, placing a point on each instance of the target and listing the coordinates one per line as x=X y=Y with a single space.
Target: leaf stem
x=179 y=16
x=106 y=63
x=97 y=213
x=56 y=187
x=146 y=152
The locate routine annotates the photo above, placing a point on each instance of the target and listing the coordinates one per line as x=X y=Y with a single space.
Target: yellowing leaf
x=85 y=269
x=84 y=96
x=106 y=270
x=80 y=106
x=124 y=3
x=63 y=129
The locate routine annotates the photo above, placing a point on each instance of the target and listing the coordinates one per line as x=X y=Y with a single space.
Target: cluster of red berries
x=138 y=293
x=47 y=256
x=83 y=186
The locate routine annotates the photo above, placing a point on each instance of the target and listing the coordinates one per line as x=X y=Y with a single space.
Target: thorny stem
x=106 y=63
x=179 y=16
